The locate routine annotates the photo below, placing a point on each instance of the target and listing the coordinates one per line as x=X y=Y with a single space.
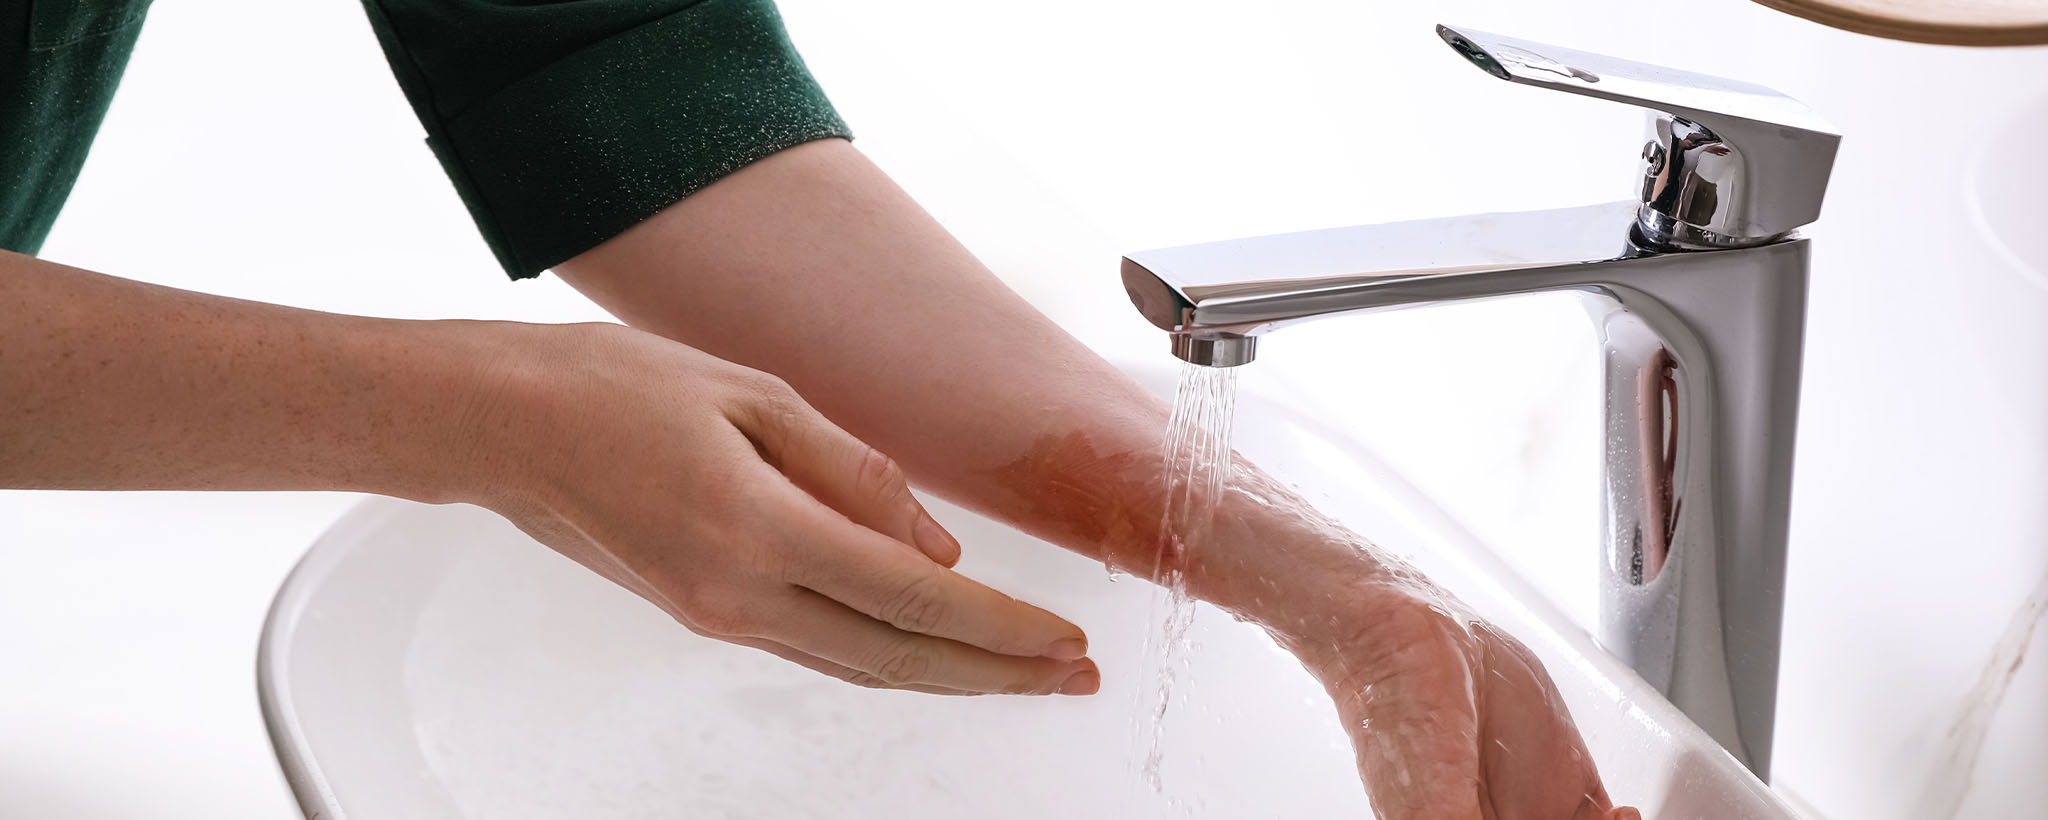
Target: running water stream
x=1198 y=464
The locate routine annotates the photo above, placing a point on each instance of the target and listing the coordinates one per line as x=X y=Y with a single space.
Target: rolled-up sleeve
x=564 y=122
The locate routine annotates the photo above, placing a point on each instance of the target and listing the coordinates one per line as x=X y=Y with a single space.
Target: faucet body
x=1702 y=353
x=1698 y=289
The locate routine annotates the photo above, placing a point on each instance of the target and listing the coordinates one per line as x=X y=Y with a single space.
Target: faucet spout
x=1245 y=287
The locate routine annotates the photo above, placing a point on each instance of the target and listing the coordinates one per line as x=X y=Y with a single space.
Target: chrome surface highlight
x=1729 y=163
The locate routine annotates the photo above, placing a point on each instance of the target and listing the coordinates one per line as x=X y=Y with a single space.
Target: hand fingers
x=862 y=571
x=833 y=670
x=815 y=625
x=845 y=474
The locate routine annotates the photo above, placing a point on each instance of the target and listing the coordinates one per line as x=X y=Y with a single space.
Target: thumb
x=844 y=473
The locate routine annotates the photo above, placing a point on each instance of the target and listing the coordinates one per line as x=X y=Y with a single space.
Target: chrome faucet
x=1698 y=288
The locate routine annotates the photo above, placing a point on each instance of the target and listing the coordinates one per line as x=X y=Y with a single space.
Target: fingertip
x=1068 y=649
x=935 y=542
x=1626 y=813
x=1088 y=681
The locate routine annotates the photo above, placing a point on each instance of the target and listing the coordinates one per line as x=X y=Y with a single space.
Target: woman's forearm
x=705 y=488
x=107 y=383
x=814 y=266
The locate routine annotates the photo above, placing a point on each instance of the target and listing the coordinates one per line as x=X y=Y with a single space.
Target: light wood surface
x=1948 y=22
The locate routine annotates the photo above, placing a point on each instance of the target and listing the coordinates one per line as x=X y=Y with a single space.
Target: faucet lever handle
x=1733 y=164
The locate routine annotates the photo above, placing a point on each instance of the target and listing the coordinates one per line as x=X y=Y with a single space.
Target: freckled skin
x=111 y=384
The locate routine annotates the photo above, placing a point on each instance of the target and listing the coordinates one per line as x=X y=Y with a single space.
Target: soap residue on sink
x=1198 y=463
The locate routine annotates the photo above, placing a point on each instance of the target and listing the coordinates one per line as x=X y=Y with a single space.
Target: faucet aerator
x=1224 y=350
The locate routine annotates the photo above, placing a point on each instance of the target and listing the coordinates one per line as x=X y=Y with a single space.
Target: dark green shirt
x=561 y=122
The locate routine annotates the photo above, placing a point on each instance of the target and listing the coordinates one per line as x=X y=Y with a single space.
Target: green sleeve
x=564 y=122
x=59 y=65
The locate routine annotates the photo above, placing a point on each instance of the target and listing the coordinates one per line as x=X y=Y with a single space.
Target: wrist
x=478 y=391
x=1302 y=576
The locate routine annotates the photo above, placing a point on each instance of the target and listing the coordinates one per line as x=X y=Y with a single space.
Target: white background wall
x=261 y=150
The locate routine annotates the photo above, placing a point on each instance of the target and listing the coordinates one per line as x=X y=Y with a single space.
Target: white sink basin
x=433 y=662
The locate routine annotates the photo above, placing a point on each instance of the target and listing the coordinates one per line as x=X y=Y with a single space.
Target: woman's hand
x=1452 y=718
x=716 y=493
